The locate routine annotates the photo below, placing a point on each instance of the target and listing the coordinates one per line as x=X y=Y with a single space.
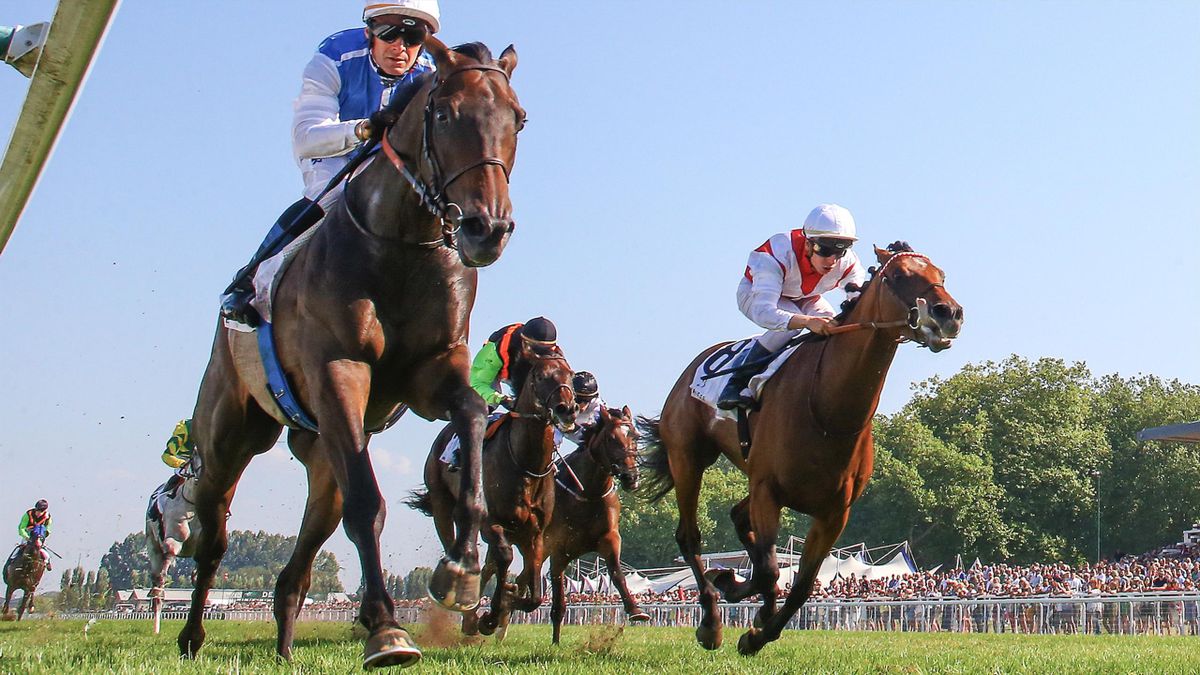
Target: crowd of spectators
x=1128 y=576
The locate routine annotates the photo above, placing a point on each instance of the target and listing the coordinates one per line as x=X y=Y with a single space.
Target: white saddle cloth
x=709 y=390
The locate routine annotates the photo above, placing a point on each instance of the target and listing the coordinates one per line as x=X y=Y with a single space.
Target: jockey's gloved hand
x=373 y=127
x=509 y=403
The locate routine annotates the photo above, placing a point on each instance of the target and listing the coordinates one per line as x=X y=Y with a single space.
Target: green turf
x=51 y=646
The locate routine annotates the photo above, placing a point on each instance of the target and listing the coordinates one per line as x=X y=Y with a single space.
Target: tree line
x=1005 y=461
x=252 y=561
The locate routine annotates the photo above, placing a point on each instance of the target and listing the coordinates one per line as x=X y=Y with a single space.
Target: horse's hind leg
x=230 y=429
x=558 y=594
x=322 y=513
x=687 y=475
x=760 y=546
x=821 y=537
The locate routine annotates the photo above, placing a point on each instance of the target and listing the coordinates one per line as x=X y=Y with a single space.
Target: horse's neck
x=531 y=444
x=853 y=366
x=593 y=476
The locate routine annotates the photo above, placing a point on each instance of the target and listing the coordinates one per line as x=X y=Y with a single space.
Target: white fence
x=1173 y=614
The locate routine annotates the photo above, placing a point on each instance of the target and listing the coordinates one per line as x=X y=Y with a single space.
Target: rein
x=433 y=195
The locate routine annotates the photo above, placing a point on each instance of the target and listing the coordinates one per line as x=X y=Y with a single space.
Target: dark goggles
x=831 y=250
x=412 y=31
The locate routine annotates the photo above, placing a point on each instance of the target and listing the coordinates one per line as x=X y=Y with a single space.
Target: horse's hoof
x=709 y=638
x=487 y=624
x=746 y=643
x=638 y=616
x=453 y=587
x=501 y=631
x=390 y=646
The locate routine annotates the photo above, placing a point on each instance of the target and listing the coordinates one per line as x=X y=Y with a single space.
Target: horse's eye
x=521 y=123
x=441 y=115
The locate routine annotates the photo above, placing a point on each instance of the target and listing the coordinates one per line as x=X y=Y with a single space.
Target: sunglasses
x=411 y=31
x=826 y=251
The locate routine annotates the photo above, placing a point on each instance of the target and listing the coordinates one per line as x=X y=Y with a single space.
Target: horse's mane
x=849 y=303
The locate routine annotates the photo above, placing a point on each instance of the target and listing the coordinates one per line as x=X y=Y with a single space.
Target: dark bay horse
x=25 y=571
x=587 y=513
x=373 y=314
x=518 y=486
x=812 y=448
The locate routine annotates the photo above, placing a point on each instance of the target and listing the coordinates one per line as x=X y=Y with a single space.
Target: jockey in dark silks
x=35 y=523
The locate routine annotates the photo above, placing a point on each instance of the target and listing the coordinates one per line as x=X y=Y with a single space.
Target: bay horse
x=24 y=572
x=812 y=448
x=172 y=530
x=587 y=510
x=372 y=315
x=518 y=485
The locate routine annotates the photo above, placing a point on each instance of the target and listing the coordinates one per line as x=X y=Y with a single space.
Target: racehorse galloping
x=518 y=485
x=812 y=448
x=587 y=513
x=373 y=313
x=171 y=532
x=25 y=571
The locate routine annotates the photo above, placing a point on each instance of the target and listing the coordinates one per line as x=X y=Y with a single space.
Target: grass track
x=50 y=646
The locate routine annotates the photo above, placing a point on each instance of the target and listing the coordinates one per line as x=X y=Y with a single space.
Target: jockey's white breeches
x=773 y=340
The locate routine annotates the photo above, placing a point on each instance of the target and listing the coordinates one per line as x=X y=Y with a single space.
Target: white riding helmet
x=425 y=10
x=830 y=221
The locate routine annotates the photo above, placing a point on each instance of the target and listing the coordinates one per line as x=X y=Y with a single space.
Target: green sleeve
x=22 y=529
x=484 y=370
x=49 y=522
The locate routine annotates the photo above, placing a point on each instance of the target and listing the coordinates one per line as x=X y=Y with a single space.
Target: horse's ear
x=445 y=58
x=882 y=254
x=508 y=60
x=605 y=417
x=627 y=413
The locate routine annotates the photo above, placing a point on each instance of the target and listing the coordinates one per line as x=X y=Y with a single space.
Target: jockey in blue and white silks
x=341 y=87
x=355 y=73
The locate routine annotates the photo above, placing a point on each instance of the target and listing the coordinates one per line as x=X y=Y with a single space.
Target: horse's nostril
x=958 y=314
x=942 y=311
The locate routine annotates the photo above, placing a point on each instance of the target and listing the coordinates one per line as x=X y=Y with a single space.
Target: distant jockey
x=355 y=72
x=31 y=521
x=180 y=446
x=782 y=286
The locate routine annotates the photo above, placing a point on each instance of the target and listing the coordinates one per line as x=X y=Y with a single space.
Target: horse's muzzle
x=481 y=239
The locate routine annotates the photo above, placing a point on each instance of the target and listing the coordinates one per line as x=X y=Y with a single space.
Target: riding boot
x=749 y=363
x=235 y=302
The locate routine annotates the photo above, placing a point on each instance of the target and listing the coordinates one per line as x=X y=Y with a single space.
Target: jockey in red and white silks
x=782 y=287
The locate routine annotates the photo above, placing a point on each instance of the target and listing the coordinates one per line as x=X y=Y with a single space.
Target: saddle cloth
x=707 y=388
x=495 y=421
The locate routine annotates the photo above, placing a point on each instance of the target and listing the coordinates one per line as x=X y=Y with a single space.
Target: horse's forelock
x=477 y=51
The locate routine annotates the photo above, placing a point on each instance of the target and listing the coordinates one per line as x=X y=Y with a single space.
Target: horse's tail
x=419 y=500
x=654 y=459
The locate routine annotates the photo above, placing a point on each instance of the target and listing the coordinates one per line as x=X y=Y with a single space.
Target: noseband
x=433 y=194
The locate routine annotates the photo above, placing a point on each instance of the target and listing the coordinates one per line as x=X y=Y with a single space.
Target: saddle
x=495 y=421
x=713 y=373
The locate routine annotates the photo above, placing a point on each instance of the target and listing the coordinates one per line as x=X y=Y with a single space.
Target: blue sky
x=1046 y=155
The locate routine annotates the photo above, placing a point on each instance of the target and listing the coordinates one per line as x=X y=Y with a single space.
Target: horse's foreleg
x=343 y=388
x=558 y=593
x=609 y=548
x=821 y=537
x=500 y=554
x=762 y=536
x=455 y=582
x=533 y=554
x=322 y=513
